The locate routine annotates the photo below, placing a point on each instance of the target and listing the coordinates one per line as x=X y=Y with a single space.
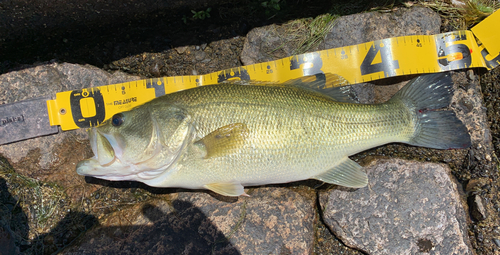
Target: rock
x=48 y=158
x=478 y=208
x=407 y=208
x=497 y=242
x=272 y=42
x=371 y=26
x=467 y=102
x=181 y=49
x=199 y=55
x=271 y=221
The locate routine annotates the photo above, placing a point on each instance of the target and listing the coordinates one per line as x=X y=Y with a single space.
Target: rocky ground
x=418 y=200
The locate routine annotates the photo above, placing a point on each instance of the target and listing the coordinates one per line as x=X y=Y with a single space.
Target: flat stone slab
x=271 y=221
x=407 y=208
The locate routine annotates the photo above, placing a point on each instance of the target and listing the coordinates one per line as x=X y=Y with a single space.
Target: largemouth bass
x=226 y=136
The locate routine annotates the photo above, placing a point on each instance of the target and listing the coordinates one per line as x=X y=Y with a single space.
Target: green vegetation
x=306 y=34
x=316 y=29
x=466 y=15
x=201 y=15
x=271 y=6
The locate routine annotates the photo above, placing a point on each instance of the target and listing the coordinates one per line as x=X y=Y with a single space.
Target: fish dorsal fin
x=348 y=173
x=231 y=189
x=225 y=140
x=331 y=85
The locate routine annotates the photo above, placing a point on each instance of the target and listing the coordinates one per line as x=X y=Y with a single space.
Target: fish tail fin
x=439 y=129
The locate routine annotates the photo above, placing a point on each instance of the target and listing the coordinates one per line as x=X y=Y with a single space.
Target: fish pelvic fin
x=227 y=189
x=348 y=173
x=434 y=128
x=225 y=140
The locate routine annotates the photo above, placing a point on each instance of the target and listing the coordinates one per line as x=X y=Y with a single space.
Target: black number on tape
x=386 y=65
x=454 y=56
x=314 y=61
x=75 y=99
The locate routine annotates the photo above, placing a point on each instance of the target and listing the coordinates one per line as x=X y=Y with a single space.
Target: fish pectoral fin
x=231 y=189
x=348 y=173
x=225 y=140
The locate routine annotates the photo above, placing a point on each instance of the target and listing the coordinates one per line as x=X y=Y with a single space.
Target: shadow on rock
x=65 y=232
x=153 y=190
x=13 y=223
x=180 y=228
x=14 y=228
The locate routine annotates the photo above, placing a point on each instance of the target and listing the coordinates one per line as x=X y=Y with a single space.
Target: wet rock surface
x=407 y=208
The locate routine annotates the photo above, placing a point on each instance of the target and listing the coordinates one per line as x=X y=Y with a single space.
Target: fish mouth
x=111 y=162
x=91 y=167
x=107 y=163
x=105 y=147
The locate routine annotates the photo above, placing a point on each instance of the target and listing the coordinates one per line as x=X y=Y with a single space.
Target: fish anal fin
x=225 y=140
x=230 y=189
x=348 y=173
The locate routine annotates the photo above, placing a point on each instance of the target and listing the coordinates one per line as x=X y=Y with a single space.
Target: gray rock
x=199 y=55
x=271 y=221
x=468 y=104
x=478 y=208
x=497 y=242
x=371 y=26
x=48 y=158
x=181 y=49
x=273 y=42
x=407 y=208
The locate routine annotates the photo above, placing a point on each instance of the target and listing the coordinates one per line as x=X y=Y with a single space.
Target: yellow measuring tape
x=364 y=62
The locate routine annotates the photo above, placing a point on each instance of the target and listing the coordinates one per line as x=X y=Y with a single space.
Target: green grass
x=465 y=16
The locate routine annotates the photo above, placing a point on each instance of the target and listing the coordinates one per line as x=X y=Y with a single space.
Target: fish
x=227 y=136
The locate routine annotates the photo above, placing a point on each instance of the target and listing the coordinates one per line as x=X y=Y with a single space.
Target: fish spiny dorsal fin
x=330 y=85
x=348 y=174
x=225 y=140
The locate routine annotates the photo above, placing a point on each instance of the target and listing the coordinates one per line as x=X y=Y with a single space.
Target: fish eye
x=117 y=120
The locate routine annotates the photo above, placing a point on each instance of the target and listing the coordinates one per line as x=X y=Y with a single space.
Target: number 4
x=386 y=64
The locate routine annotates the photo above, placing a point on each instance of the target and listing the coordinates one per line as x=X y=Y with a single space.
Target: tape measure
x=364 y=62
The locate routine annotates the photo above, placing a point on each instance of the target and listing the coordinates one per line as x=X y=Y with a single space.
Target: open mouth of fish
x=106 y=163
x=110 y=163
